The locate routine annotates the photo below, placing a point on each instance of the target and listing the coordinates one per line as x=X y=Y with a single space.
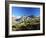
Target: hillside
x=25 y=23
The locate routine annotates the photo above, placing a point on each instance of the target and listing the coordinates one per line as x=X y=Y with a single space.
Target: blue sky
x=25 y=11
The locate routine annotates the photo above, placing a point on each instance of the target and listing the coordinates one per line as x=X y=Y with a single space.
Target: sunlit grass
x=25 y=23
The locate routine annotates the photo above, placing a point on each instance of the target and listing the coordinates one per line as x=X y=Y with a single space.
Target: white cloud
x=17 y=17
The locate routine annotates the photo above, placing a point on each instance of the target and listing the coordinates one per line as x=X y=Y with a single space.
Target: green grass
x=24 y=24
